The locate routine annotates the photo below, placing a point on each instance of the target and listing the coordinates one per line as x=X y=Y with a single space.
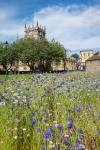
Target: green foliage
x=8 y=55
x=75 y=56
x=37 y=54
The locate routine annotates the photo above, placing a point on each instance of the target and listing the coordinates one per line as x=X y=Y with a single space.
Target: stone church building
x=39 y=32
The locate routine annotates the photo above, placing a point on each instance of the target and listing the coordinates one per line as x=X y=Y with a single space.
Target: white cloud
x=77 y=27
x=9 y=24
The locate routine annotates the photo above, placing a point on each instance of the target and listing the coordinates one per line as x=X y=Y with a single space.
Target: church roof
x=96 y=56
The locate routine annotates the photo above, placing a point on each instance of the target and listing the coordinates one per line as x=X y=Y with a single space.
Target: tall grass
x=50 y=112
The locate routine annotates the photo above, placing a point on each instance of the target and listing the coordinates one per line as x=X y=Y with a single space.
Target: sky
x=74 y=23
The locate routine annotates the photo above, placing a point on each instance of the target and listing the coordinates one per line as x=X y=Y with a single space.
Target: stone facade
x=93 y=63
x=84 y=55
x=37 y=32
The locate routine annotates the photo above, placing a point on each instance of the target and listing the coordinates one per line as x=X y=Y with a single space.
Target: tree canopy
x=35 y=53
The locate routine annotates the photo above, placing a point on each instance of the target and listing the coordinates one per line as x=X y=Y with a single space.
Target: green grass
x=36 y=102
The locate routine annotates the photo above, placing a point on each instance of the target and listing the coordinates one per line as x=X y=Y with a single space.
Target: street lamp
x=6 y=44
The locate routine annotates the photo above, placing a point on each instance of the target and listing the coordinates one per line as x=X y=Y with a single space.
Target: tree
x=76 y=56
x=55 y=53
x=35 y=53
x=8 y=55
x=40 y=53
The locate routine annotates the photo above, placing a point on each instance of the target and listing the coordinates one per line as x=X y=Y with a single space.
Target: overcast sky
x=76 y=24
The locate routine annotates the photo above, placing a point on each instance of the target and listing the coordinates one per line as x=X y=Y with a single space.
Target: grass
x=50 y=111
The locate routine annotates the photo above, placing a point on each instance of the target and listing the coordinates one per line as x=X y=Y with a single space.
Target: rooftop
x=96 y=56
x=86 y=50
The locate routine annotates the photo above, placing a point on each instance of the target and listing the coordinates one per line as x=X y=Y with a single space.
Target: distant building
x=93 y=63
x=37 y=32
x=84 y=55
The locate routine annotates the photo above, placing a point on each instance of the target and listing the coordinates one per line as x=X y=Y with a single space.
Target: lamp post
x=6 y=46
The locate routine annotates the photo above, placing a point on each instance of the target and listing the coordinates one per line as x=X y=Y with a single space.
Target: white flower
x=24 y=129
x=15 y=137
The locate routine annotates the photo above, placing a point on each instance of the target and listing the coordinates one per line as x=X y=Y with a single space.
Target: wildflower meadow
x=50 y=111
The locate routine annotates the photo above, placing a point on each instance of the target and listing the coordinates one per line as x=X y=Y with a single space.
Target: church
x=37 y=32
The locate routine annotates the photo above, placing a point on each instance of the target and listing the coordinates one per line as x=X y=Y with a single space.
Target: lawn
x=50 y=111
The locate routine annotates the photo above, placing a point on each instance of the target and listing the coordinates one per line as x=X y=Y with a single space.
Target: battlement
x=37 y=32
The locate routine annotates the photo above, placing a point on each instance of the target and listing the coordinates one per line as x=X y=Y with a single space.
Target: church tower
x=37 y=32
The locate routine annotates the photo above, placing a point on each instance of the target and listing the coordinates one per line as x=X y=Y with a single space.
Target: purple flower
x=79 y=110
x=70 y=125
x=60 y=127
x=77 y=143
x=80 y=131
x=70 y=111
x=57 y=136
x=16 y=94
x=69 y=118
x=33 y=122
x=81 y=136
x=45 y=120
x=2 y=81
x=81 y=147
x=98 y=132
x=71 y=148
x=51 y=129
x=43 y=148
x=58 y=148
x=47 y=134
x=38 y=130
x=66 y=143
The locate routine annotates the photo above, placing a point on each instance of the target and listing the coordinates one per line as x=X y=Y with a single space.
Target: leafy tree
x=76 y=56
x=8 y=56
x=37 y=54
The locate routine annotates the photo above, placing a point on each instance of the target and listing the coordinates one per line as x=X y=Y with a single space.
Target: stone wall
x=84 y=55
x=93 y=65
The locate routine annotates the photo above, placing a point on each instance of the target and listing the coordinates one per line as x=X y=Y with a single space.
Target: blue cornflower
x=47 y=134
x=70 y=110
x=70 y=125
x=77 y=143
x=2 y=81
x=79 y=110
x=38 y=130
x=60 y=127
x=81 y=147
x=58 y=147
x=71 y=148
x=69 y=118
x=80 y=131
x=81 y=136
x=43 y=148
x=33 y=113
x=51 y=129
x=68 y=90
x=98 y=132
x=66 y=143
x=33 y=122
x=57 y=136
x=45 y=120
